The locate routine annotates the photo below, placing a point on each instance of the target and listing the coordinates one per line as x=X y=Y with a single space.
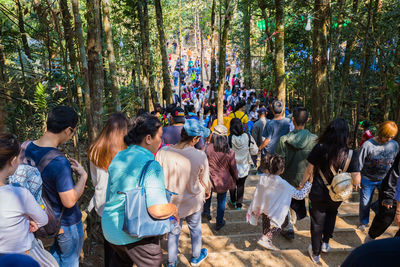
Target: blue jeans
x=366 y=193
x=194 y=223
x=67 y=246
x=221 y=198
x=175 y=81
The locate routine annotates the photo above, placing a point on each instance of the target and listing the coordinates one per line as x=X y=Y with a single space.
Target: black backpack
x=53 y=226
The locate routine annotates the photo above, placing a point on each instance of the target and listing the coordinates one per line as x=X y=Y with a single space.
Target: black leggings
x=323 y=218
x=237 y=193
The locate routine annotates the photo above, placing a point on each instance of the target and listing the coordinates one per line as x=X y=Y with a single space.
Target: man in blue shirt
x=275 y=129
x=59 y=186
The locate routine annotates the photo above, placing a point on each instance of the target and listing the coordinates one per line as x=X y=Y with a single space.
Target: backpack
x=53 y=226
x=253 y=148
x=341 y=187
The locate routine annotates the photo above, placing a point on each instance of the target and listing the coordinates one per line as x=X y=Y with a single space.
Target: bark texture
x=279 y=66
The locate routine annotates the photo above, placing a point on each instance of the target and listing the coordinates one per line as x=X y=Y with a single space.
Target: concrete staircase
x=236 y=243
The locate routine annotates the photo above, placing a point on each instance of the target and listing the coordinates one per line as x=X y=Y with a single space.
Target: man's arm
x=70 y=197
x=264 y=144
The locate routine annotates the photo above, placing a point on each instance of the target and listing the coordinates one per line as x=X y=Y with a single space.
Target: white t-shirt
x=17 y=206
x=100 y=181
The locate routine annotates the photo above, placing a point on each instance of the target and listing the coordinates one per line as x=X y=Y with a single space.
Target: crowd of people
x=179 y=156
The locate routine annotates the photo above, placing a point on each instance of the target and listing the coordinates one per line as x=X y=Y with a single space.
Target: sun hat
x=220 y=130
x=178 y=114
x=193 y=127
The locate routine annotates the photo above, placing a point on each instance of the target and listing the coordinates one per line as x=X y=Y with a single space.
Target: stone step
x=242 y=249
x=265 y=258
x=242 y=227
x=345 y=238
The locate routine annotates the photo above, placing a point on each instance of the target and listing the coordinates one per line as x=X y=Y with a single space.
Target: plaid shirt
x=30 y=178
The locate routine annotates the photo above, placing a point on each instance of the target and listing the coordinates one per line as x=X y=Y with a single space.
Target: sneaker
x=266 y=243
x=218 y=227
x=368 y=239
x=315 y=259
x=289 y=234
x=231 y=204
x=363 y=227
x=206 y=216
x=200 y=259
x=325 y=247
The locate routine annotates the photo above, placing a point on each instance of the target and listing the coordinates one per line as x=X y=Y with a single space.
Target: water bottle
x=175 y=226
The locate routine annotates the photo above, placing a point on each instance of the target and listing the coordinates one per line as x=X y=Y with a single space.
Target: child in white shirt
x=272 y=199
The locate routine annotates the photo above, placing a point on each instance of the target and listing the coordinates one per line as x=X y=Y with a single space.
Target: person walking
x=100 y=155
x=59 y=186
x=330 y=152
x=376 y=159
x=241 y=143
x=223 y=172
x=388 y=194
x=275 y=128
x=294 y=148
x=142 y=140
x=186 y=173
x=20 y=214
x=239 y=113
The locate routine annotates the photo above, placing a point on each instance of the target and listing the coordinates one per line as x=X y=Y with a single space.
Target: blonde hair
x=388 y=129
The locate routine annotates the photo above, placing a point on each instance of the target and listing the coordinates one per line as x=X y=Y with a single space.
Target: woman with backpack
x=330 y=156
x=244 y=146
x=223 y=172
x=100 y=154
x=143 y=139
x=20 y=214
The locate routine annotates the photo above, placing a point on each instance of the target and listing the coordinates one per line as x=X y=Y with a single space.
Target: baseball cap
x=178 y=114
x=262 y=111
x=194 y=127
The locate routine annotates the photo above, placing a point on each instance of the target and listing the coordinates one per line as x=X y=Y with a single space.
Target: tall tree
x=320 y=87
x=167 y=92
x=263 y=7
x=221 y=64
x=279 y=60
x=246 y=8
x=95 y=64
x=111 y=56
x=84 y=67
x=21 y=25
x=213 y=43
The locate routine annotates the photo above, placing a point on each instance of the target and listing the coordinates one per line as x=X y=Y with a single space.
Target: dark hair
x=252 y=107
x=300 y=115
x=143 y=125
x=277 y=106
x=60 y=118
x=9 y=148
x=334 y=138
x=185 y=137
x=239 y=105
x=221 y=143
x=190 y=108
x=236 y=127
x=273 y=163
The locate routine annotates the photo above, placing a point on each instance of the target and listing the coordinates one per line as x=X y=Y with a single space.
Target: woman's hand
x=356 y=180
x=33 y=227
x=308 y=175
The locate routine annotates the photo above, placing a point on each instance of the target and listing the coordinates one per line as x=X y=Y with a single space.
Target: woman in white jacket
x=244 y=146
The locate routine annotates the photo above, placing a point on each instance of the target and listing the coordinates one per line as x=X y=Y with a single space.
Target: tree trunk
x=3 y=89
x=68 y=37
x=246 y=8
x=320 y=64
x=84 y=67
x=201 y=57
x=213 y=42
x=363 y=72
x=22 y=31
x=95 y=66
x=167 y=91
x=222 y=52
x=111 y=56
x=279 y=64
x=346 y=63
x=334 y=52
